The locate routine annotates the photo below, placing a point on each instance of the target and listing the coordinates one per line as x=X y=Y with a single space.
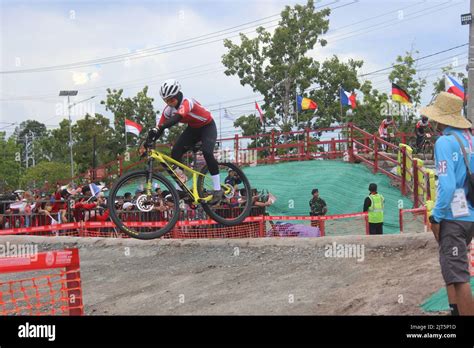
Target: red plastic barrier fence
x=56 y=292
x=417 y=217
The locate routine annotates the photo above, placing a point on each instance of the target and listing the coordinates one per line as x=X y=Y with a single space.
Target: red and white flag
x=259 y=111
x=132 y=127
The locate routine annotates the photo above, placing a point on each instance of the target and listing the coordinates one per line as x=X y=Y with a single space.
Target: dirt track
x=262 y=276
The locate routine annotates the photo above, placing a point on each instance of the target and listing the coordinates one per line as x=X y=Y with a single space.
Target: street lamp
x=68 y=94
x=466 y=18
x=73 y=93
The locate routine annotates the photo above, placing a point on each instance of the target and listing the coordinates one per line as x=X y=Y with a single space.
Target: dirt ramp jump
x=387 y=275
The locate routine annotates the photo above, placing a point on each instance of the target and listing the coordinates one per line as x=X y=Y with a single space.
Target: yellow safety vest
x=376 y=208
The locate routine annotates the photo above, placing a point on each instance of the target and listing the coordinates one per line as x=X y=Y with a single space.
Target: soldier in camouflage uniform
x=318 y=207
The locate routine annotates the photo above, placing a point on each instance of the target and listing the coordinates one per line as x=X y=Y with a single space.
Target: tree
x=440 y=84
x=138 y=109
x=275 y=65
x=55 y=145
x=404 y=75
x=9 y=166
x=84 y=132
x=34 y=127
x=30 y=131
x=332 y=75
x=369 y=112
x=44 y=173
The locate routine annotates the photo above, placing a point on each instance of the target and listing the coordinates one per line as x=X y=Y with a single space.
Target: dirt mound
x=391 y=274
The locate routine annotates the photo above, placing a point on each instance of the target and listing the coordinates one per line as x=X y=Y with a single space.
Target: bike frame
x=168 y=162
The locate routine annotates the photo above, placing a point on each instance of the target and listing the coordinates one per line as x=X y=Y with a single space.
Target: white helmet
x=169 y=88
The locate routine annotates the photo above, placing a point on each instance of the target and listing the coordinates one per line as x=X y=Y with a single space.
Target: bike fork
x=149 y=178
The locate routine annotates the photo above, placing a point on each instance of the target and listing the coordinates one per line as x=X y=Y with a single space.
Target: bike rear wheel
x=428 y=151
x=143 y=216
x=237 y=201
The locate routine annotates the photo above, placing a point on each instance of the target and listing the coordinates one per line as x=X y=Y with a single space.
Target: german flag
x=399 y=95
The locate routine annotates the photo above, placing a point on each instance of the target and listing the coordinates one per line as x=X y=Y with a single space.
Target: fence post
x=322 y=228
x=174 y=232
x=366 y=218
x=400 y=219
x=236 y=148
x=404 y=170
x=415 y=184
x=261 y=231
x=120 y=160
x=273 y=147
x=73 y=284
x=376 y=155
x=333 y=149
x=404 y=138
x=350 y=143
x=307 y=143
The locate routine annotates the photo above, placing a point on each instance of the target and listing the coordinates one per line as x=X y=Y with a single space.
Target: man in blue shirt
x=452 y=220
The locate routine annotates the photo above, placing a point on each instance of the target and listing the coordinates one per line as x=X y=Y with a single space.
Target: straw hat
x=446 y=109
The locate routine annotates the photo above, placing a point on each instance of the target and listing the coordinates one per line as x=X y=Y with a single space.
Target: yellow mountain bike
x=145 y=204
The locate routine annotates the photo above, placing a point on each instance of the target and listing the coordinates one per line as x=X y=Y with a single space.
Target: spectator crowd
x=71 y=203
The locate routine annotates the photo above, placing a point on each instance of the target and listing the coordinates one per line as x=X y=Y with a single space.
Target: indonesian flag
x=454 y=87
x=132 y=127
x=348 y=99
x=259 y=111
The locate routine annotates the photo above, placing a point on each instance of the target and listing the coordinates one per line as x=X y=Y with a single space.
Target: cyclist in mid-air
x=421 y=129
x=201 y=127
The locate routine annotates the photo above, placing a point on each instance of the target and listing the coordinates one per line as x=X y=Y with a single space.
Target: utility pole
x=467 y=19
x=94 y=157
x=29 y=138
x=296 y=104
x=32 y=147
x=68 y=94
x=27 y=150
x=220 y=122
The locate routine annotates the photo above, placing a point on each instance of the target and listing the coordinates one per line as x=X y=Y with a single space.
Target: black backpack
x=470 y=175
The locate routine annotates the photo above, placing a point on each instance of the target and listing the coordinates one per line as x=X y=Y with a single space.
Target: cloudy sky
x=47 y=46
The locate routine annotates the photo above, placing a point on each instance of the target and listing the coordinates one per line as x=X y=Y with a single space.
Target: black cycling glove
x=153 y=135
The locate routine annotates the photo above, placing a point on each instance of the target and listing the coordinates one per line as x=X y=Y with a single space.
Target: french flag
x=132 y=127
x=454 y=87
x=348 y=99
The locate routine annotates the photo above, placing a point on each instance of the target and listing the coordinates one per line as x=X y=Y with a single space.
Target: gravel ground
x=252 y=276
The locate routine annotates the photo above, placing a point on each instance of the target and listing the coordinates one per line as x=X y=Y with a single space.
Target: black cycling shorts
x=207 y=135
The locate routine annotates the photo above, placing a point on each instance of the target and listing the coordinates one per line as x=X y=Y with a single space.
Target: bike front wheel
x=141 y=214
x=237 y=200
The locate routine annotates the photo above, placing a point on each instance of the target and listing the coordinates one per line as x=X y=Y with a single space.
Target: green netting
x=439 y=300
x=344 y=187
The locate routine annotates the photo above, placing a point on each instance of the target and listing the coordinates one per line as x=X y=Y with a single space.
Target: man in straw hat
x=452 y=220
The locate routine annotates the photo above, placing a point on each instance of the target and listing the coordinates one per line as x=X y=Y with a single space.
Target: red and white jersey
x=383 y=127
x=192 y=113
x=420 y=124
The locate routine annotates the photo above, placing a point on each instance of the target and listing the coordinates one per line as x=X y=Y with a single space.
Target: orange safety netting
x=54 y=288
x=43 y=295
x=252 y=227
